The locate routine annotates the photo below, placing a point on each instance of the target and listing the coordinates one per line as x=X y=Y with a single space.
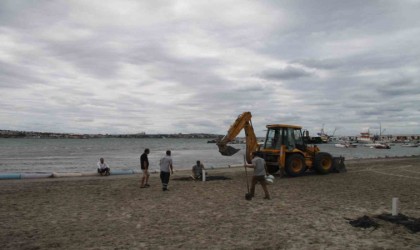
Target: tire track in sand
x=372 y=169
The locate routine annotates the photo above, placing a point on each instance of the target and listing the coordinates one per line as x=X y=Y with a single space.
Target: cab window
x=298 y=137
x=290 y=139
x=273 y=139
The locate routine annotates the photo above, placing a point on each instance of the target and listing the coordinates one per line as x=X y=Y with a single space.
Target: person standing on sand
x=144 y=164
x=166 y=170
x=258 y=164
x=103 y=168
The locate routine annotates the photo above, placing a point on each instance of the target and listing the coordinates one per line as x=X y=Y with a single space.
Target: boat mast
x=380 y=130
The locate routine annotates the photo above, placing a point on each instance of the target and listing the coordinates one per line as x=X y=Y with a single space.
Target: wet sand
x=306 y=212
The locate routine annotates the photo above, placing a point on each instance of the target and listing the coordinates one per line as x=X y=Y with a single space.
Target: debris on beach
x=364 y=222
x=338 y=165
x=412 y=224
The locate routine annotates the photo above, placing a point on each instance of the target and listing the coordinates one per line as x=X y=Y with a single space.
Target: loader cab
x=288 y=135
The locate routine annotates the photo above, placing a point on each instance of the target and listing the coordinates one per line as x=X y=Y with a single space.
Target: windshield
x=291 y=137
x=273 y=139
x=298 y=137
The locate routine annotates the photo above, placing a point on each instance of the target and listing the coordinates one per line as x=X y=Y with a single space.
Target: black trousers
x=104 y=170
x=164 y=178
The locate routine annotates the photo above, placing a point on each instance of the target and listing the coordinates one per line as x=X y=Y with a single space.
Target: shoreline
x=10 y=175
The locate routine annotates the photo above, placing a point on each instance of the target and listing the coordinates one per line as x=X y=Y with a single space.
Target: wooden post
x=395 y=206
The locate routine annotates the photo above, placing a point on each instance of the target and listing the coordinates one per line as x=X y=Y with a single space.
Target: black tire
x=295 y=165
x=323 y=163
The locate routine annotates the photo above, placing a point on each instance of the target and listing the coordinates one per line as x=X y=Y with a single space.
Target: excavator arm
x=242 y=122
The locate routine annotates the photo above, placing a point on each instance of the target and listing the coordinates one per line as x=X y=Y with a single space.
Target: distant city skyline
x=15 y=133
x=37 y=134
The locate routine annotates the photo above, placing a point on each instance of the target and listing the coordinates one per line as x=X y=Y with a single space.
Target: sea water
x=81 y=155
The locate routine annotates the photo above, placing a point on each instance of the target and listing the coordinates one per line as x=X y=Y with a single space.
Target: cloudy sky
x=194 y=66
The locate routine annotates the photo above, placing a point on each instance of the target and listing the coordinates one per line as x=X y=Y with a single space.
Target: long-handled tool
x=248 y=195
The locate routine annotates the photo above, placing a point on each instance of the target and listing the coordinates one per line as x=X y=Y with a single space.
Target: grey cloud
x=370 y=112
x=16 y=76
x=288 y=73
x=91 y=57
x=85 y=120
x=320 y=63
x=29 y=14
x=317 y=102
x=400 y=88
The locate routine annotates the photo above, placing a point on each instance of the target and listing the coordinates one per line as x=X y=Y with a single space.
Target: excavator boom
x=242 y=122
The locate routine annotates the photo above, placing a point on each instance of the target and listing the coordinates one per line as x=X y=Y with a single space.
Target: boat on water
x=380 y=146
x=345 y=145
x=325 y=138
x=365 y=138
x=412 y=145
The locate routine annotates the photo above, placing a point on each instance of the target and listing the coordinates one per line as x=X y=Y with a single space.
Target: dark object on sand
x=338 y=165
x=364 y=222
x=248 y=196
x=412 y=224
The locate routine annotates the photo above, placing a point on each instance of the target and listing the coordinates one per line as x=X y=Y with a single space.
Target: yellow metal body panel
x=283 y=126
x=283 y=152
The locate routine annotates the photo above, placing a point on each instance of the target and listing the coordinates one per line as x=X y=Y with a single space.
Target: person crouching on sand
x=258 y=164
x=144 y=164
x=197 y=170
x=103 y=168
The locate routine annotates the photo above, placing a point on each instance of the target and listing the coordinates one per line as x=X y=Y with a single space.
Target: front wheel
x=295 y=165
x=323 y=163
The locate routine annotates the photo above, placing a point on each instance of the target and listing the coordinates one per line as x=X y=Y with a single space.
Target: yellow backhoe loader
x=285 y=148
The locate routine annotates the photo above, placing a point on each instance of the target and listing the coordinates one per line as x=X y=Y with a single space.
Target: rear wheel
x=295 y=165
x=323 y=163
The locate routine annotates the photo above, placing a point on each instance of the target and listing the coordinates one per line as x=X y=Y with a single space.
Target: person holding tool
x=258 y=164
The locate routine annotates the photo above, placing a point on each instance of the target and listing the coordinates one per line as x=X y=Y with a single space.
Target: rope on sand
x=403 y=168
x=39 y=175
x=390 y=174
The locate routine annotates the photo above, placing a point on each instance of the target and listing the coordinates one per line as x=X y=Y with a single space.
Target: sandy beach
x=309 y=212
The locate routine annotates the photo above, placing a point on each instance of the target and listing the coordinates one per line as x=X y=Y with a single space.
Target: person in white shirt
x=258 y=164
x=166 y=170
x=103 y=168
x=197 y=170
